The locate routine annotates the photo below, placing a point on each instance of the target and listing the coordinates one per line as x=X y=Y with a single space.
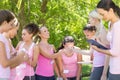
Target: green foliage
x=86 y=70
x=85 y=78
x=62 y=17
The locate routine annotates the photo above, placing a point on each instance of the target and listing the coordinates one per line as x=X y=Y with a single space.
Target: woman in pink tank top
x=46 y=62
x=25 y=71
x=67 y=61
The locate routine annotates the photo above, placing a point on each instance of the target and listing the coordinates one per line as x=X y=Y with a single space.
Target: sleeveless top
x=25 y=69
x=45 y=65
x=70 y=65
x=5 y=72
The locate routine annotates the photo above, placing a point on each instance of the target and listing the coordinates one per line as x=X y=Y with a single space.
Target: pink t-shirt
x=99 y=59
x=114 y=39
x=45 y=66
x=5 y=72
x=70 y=65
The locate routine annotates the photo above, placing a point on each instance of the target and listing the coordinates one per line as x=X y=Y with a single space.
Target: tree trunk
x=43 y=10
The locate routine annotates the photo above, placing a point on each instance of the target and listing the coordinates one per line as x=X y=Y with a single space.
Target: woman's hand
x=103 y=77
x=23 y=56
x=95 y=47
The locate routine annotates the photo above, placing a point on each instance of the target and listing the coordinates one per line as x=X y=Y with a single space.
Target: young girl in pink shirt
x=68 y=60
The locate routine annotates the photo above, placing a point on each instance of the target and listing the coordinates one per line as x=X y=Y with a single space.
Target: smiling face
x=44 y=33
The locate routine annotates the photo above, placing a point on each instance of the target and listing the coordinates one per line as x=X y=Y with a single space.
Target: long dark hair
x=32 y=28
x=107 y=4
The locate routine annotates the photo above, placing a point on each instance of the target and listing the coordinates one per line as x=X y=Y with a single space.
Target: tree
x=62 y=17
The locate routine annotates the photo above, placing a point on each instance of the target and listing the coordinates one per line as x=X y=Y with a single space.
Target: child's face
x=89 y=34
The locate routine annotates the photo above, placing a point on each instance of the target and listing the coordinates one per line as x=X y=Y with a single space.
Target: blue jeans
x=39 y=77
x=114 y=76
x=97 y=73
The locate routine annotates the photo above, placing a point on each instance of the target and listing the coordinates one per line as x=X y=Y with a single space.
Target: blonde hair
x=100 y=32
x=95 y=14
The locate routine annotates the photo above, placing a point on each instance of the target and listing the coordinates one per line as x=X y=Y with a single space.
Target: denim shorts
x=39 y=77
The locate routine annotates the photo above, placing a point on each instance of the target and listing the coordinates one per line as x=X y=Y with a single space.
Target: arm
x=8 y=62
x=91 y=57
x=115 y=48
x=60 y=64
x=33 y=62
x=20 y=59
x=79 y=71
x=107 y=52
x=84 y=52
x=56 y=69
x=44 y=51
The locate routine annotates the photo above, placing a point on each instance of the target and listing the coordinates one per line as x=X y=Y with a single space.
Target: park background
x=62 y=18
